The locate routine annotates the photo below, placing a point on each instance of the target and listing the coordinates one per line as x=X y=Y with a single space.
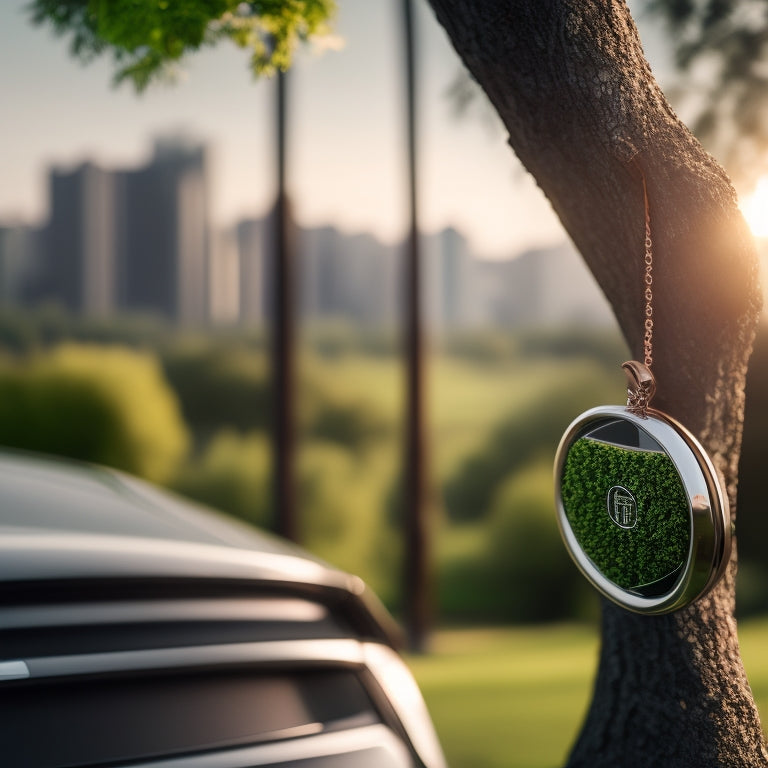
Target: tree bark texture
x=586 y=117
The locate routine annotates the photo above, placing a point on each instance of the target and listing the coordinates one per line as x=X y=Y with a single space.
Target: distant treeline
x=191 y=410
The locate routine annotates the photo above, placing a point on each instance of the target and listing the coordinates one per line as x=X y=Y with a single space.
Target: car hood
x=53 y=494
x=65 y=523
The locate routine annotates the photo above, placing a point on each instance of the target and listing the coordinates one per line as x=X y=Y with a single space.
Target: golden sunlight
x=755 y=208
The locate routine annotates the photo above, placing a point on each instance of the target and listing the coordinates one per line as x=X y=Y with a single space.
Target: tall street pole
x=283 y=337
x=416 y=587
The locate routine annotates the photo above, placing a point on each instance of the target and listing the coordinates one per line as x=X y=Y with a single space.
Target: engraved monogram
x=622 y=507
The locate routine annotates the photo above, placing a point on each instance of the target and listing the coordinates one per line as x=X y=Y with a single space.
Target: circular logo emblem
x=622 y=507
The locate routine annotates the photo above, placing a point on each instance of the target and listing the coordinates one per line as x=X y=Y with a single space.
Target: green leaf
x=146 y=38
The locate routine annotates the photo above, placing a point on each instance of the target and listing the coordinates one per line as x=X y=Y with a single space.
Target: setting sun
x=755 y=209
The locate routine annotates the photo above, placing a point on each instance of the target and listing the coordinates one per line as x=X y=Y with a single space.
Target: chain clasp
x=641 y=387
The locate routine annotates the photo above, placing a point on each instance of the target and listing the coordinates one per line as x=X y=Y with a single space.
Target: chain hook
x=641 y=387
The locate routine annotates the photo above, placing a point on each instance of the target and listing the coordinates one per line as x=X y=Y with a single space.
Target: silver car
x=137 y=629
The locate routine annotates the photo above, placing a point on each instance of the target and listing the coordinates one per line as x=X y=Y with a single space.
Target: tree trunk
x=585 y=116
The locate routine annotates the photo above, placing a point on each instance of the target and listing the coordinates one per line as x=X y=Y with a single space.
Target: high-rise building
x=224 y=278
x=164 y=234
x=323 y=273
x=19 y=254
x=570 y=295
x=371 y=271
x=352 y=277
x=546 y=286
x=255 y=244
x=78 y=265
x=456 y=284
x=448 y=280
x=140 y=240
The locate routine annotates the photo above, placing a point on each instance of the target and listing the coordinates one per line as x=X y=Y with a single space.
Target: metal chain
x=648 y=336
x=641 y=384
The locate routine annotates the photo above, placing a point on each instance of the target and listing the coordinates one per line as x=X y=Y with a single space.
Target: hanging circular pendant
x=640 y=508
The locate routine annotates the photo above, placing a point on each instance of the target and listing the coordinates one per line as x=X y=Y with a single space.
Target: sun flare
x=755 y=208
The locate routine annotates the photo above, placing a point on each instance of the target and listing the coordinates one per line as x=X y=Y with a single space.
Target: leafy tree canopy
x=148 y=38
x=721 y=53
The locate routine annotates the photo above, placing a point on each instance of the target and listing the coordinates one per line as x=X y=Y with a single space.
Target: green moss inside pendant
x=629 y=512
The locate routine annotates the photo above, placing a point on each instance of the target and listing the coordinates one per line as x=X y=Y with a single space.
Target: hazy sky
x=346 y=134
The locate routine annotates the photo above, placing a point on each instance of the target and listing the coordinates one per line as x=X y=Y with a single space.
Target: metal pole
x=283 y=338
x=416 y=571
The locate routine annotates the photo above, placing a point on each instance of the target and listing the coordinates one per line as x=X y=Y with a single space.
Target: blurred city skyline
x=139 y=239
x=346 y=132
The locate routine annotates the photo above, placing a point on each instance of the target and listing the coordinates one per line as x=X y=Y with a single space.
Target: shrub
x=531 y=568
x=107 y=405
x=467 y=587
x=220 y=386
x=341 y=503
x=481 y=347
x=533 y=429
x=18 y=333
x=334 y=339
x=352 y=423
x=339 y=498
x=232 y=475
x=606 y=346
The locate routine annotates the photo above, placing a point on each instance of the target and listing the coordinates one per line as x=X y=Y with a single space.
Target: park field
x=515 y=697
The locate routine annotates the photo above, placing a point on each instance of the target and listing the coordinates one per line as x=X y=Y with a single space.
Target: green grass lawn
x=515 y=697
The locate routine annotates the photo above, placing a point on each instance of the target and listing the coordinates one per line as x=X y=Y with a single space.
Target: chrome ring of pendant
x=640 y=509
